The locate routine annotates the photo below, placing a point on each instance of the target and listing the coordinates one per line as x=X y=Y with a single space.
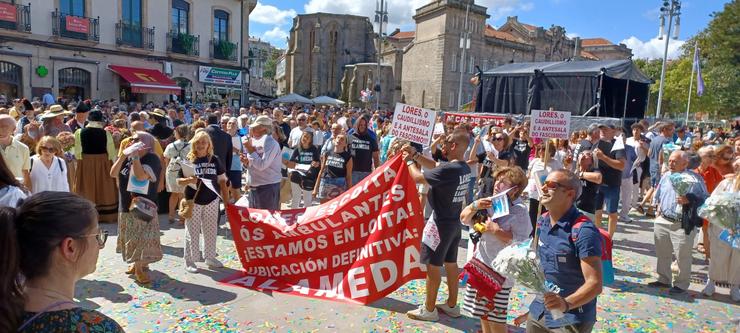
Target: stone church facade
x=335 y=55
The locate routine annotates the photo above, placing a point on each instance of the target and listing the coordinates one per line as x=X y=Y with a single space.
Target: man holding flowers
x=570 y=256
x=679 y=193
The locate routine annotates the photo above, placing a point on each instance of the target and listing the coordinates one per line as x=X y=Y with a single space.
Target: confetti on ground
x=177 y=301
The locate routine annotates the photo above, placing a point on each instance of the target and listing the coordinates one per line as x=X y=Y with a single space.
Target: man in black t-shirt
x=365 y=152
x=612 y=160
x=448 y=184
x=521 y=146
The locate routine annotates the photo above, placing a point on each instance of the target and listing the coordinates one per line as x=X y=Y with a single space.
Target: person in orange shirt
x=712 y=177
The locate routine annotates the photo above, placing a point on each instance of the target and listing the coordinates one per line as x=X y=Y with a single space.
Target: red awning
x=148 y=81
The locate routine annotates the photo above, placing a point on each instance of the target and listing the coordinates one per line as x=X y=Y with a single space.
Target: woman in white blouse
x=48 y=171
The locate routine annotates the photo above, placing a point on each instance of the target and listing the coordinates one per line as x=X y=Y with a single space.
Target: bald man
x=16 y=154
x=676 y=225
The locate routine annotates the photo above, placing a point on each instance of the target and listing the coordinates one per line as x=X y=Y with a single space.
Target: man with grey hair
x=263 y=162
x=569 y=249
x=674 y=224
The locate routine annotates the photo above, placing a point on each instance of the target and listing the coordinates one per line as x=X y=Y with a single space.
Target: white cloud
x=572 y=35
x=267 y=14
x=400 y=12
x=653 y=48
x=276 y=36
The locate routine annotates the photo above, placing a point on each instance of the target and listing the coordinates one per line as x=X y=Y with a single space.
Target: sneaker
x=214 y=263
x=676 y=291
x=735 y=294
x=658 y=284
x=452 y=312
x=190 y=267
x=422 y=314
x=708 y=289
x=625 y=220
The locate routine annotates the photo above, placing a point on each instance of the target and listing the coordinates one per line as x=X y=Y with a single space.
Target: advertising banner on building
x=217 y=75
x=550 y=124
x=356 y=248
x=8 y=12
x=413 y=123
x=77 y=24
x=474 y=118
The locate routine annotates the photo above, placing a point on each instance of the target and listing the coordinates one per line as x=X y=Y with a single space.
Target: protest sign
x=355 y=248
x=413 y=124
x=550 y=124
x=474 y=118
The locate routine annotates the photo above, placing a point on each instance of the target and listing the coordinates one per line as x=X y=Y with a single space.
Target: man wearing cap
x=263 y=163
x=612 y=160
x=80 y=119
x=53 y=121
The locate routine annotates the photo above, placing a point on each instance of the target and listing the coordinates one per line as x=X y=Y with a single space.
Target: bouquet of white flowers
x=519 y=261
x=723 y=210
x=681 y=183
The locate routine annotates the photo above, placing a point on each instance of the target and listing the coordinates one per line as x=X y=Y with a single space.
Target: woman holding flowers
x=497 y=234
x=725 y=263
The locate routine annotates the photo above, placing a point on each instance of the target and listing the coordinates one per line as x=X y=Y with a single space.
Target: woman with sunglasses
x=538 y=168
x=497 y=235
x=48 y=171
x=138 y=240
x=497 y=154
x=52 y=252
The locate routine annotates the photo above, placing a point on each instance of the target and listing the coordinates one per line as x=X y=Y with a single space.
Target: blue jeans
x=358 y=176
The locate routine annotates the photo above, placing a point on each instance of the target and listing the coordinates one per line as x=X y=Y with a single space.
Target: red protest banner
x=356 y=248
x=77 y=24
x=474 y=118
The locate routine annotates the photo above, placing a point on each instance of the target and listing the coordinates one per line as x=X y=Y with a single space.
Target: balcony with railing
x=15 y=17
x=224 y=50
x=75 y=27
x=183 y=43
x=134 y=35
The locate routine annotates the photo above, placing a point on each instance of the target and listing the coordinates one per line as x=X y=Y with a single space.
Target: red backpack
x=606 y=247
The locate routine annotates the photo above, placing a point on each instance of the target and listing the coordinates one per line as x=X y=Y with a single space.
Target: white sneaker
x=709 y=288
x=190 y=267
x=422 y=314
x=214 y=263
x=735 y=294
x=452 y=312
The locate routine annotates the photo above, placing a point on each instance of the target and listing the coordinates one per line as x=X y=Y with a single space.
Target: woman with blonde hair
x=48 y=170
x=204 y=218
x=496 y=235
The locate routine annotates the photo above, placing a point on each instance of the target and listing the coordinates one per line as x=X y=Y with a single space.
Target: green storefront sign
x=217 y=75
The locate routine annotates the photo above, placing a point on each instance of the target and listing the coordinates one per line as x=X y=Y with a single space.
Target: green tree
x=271 y=64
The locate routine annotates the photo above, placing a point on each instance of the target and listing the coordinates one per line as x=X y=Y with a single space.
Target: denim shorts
x=331 y=188
x=610 y=195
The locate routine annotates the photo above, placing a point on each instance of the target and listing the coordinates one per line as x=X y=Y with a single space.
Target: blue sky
x=633 y=22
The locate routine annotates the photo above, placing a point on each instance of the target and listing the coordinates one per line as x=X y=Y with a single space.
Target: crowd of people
x=113 y=162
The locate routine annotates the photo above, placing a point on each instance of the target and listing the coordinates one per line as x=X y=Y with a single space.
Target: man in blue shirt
x=570 y=258
x=668 y=227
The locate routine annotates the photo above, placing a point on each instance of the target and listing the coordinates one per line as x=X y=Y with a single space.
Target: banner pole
x=545 y=159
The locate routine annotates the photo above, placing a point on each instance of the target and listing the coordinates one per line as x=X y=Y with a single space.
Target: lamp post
x=669 y=10
x=464 y=44
x=381 y=17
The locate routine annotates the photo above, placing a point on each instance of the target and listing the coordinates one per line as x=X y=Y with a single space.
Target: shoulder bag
x=186 y=205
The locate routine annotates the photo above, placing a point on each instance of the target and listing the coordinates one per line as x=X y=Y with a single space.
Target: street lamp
x=669 y=10
x=381 y=17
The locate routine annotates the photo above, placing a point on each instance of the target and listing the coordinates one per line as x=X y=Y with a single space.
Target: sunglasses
x=498 y=138
x=549 y=184
x=49 y=149
x=301 y=120
x=101 y=237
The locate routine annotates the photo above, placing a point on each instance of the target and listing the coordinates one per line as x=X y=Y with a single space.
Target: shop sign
x=8 y=13
x=216 y=75
x=77 y=24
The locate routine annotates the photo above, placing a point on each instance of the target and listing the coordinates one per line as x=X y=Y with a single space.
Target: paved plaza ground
x=177 y=301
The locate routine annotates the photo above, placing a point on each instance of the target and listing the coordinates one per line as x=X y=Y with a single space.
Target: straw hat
x=261 y=121
x=158 y=113
x=55 y=110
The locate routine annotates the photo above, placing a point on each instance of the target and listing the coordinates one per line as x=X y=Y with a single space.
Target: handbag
x=484 y=280
x=186 y=205
x=143 y=208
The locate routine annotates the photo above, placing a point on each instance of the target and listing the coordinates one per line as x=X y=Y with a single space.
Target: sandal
x=131 y=270
x=640 y=209
x=142 y=278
